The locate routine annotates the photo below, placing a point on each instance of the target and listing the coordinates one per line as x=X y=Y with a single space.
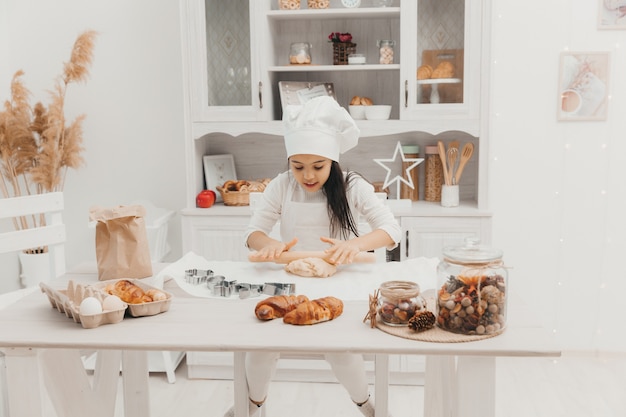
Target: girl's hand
x=272 y=251
x=341 y=251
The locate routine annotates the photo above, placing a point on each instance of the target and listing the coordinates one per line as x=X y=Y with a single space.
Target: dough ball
x=311 y=267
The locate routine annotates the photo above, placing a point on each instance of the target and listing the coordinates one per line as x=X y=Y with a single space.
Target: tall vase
x=35 y=268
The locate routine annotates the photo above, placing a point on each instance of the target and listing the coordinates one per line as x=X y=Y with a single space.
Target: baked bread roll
x=424 y=72
x=445 y=69
x=361 y=101
x=316 y=311
x=311 y=267
x=128 y=292
x=277 y=306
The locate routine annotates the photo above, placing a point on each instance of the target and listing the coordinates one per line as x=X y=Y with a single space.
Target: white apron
x=306 y=221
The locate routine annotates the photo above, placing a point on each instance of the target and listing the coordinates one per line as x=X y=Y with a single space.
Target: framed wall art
x=217 y=170
x=612 y=14
x=583 y=86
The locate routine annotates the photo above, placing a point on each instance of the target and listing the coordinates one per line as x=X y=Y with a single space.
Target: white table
x=37 y=338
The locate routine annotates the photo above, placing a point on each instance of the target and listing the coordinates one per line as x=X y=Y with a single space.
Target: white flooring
x=575 y=385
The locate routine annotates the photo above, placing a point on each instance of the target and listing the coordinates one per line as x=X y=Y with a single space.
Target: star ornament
x=398 y=179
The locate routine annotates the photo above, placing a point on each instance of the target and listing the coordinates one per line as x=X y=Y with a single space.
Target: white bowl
x=377 y=112
x=357 y=112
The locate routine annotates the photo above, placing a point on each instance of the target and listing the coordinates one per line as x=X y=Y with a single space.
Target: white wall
x=133 y=133
x=556 y=189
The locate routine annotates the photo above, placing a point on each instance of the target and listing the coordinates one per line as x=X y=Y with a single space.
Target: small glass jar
x=300 y=53
x=399 y=301
x=385 y=48
x=472 y=290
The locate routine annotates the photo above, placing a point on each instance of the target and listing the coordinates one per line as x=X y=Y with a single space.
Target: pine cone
x=422 y=320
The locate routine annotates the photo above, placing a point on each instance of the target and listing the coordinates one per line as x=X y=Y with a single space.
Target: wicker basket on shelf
x=234 y=198
x=341 y=50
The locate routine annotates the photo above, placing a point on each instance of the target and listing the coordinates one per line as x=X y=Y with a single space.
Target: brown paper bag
x=122 y=248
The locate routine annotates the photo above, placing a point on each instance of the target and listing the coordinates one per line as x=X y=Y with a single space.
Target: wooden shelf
x=334 y=68
x=339 y=13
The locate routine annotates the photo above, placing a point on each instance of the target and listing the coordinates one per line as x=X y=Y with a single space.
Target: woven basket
x=341 y=51
x=234 y=198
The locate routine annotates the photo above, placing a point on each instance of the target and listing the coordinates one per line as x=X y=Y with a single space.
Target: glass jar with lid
x=385 y=49
x=399 y=301
x=300 y=53
x=472 y=294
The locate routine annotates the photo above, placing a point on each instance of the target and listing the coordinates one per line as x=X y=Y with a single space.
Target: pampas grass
x=37 y=144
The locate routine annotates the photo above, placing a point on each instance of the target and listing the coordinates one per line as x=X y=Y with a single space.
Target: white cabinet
x=427 y=236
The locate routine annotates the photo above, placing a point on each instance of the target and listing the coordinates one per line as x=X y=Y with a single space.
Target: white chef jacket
x=304 y=215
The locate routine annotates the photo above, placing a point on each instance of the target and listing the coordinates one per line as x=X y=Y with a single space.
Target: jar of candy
x=399 y=301
x=385 y=49
x=471 y=298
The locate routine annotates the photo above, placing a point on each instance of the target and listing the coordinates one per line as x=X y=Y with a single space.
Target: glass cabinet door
x=224 y=68
x=442 y=77
x=228 y=52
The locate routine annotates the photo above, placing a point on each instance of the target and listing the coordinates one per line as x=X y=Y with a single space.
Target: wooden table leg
x=135 y=378
x=440 y=386
x=68 y=385
x=476 y=384
x=381 y=385
x=22 y=371
x=240 y=385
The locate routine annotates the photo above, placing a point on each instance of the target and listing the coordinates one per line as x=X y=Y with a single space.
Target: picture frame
x=583 y=86
x=217 y=170
x=299 y=92
x=611 y=14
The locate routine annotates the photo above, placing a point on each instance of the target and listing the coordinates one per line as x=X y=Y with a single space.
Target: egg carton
x=143 y=309
x=68 y=302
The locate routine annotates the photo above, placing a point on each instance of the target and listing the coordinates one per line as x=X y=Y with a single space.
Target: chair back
x=51 y=234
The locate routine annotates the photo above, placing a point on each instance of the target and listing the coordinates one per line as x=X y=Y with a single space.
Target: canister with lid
x=410 y=152
x=399 y=301
x=385 y=48
x=472 y=290
x=433 y=174
x=300 y=53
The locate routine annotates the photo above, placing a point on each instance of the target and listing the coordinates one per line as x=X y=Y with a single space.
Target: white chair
x=51 y=235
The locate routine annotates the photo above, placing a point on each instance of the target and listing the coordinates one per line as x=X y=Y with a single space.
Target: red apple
x=205 y=199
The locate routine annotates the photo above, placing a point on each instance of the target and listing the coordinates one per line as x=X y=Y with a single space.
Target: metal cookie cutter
x=246 y=290
x=197 y=276
x=279 y=288
x=224 y=288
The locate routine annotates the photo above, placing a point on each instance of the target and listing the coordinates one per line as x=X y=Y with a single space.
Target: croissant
x=128 y=292
x=316 y=311
x=277 y=306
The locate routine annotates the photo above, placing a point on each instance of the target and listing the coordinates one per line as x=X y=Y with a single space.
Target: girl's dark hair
x=342 y=222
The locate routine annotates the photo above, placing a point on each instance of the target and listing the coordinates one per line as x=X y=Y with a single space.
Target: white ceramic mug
x=450 y=195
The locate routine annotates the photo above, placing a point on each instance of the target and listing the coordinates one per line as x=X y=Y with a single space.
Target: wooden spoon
x=466 y=154
x=442 y=156
x=452 y=156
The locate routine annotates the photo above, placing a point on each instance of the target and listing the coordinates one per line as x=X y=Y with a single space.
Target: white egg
x=112 y=302
x=90 y=306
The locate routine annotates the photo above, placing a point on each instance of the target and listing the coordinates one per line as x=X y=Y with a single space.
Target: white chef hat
x=319 y=127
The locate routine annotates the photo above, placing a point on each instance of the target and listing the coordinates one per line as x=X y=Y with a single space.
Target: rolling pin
x=286 y=257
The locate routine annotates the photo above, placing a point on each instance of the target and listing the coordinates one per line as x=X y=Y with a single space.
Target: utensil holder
x=450 y=195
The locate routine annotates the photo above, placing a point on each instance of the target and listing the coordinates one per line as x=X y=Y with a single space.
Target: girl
x=319 y=208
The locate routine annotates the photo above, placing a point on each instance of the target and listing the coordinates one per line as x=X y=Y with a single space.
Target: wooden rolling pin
x=286 y=257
